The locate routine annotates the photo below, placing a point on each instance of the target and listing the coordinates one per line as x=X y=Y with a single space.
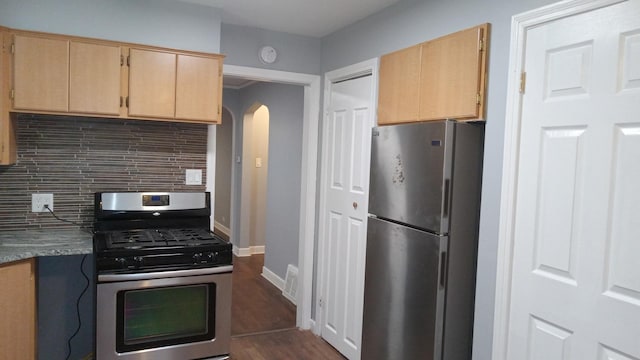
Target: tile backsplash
x=73 y=157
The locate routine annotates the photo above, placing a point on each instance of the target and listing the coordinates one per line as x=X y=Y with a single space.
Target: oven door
x=183 y=314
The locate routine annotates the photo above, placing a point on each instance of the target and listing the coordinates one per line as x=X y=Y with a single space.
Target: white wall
x=296 y=53
x=163 y=23
x=413 y=21
x=224 y=165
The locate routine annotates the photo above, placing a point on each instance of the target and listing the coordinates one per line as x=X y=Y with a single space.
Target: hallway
x=264 y=322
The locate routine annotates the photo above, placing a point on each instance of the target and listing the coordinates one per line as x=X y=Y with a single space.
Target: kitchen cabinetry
x=399 y=94
x=169 y=85
x=18 y=310
x=439 y=79
x=60 y=75
x=94 y=78
x=7 y=133
x=152 y=83
x=198 y=88
x=77 y=76
x=40 y=73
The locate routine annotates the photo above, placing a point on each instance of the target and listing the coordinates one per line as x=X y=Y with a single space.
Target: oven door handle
x=165 y=274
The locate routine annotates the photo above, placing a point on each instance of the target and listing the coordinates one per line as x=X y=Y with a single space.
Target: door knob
x=355 y=205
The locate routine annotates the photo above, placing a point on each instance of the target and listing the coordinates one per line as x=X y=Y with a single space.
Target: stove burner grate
x=160 y=237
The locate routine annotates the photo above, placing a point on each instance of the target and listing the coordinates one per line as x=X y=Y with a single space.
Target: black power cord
x=78 y=305
x=86 y=287
x=82 y=227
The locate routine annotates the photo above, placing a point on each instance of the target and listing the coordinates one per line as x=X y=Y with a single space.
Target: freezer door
x=404 y=293
x=410 y=172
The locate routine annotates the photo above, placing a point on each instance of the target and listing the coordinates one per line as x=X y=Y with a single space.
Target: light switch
x=193 y=177
x=258 y=162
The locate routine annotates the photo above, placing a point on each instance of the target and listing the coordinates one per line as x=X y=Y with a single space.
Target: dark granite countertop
x=24 y=244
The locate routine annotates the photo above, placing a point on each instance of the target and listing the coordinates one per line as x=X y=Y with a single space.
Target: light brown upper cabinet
x=7 y=133
x=62 y=75
x=399 y=87
x=152 y=83
x=448 y=84
x=452 y=76
x=180 y=86
x=94 y=78
x=40 y=73
x=69 y=75
x=198 y=88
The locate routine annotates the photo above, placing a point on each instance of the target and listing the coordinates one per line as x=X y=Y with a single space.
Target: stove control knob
x=197 y=258
x=138 y=261
x=122 y=262
x=212 y=257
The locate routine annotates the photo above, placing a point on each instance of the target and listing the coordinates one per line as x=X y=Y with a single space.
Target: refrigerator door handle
x=443 y=270
x=445 y=208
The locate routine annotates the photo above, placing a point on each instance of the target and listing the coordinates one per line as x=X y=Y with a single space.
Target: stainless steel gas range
x=163 y=278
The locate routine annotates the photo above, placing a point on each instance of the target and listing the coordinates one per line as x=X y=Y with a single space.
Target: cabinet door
x=152 y=83
x=452 y=76
x=41 y=74
x=399 y=86
x=94 y=82
x=7 y=134
x=198 y=88
x=18 y=310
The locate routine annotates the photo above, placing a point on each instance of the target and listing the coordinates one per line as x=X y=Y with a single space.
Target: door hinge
x=481 y=44
x=128 y=60
x=121 y=60
x=121 y=101
x=13 y=48
x=523 y=82
x=478 y=98
x=320 y=302
x=127 y=101
x=12 y=94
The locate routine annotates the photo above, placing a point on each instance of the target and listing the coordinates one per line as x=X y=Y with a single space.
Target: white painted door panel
x=344 y=216
x=576 y=272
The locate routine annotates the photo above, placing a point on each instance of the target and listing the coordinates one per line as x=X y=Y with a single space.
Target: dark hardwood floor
x=258 y=306
x=288 y=344
x=264 y=322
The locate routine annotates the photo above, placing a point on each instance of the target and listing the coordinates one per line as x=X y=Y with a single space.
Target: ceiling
x=315 y=18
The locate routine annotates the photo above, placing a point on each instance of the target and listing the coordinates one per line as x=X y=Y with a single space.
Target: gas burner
x=136 y=231
x=132 y=236
x=135 y=239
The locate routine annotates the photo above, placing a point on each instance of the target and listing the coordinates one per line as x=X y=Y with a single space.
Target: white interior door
x=343 y=214
x=576 y=256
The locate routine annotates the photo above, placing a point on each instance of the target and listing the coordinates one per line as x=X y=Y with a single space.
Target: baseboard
x=276 y=280
x=257 y=249
x=312 y=327
x=223 y=229
x=242 y=252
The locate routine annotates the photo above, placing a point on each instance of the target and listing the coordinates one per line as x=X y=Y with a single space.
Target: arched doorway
x=255 y=167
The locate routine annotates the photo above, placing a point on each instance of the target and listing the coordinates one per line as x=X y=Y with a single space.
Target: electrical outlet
x=38 y=201
x=193 y=177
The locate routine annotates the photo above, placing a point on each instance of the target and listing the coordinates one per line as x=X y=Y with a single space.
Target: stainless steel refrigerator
x=424 y=204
